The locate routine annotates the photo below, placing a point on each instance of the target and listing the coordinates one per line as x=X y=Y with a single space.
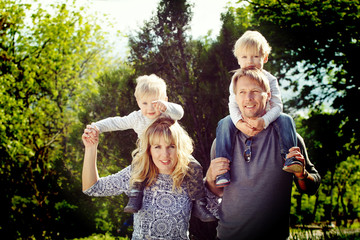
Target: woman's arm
x=89 y=173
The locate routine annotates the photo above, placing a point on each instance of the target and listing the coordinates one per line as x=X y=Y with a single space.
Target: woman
x=161 y=161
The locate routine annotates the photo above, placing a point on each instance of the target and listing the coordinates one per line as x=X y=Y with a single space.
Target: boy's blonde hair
x=255 y=74
x=252 y=40
x=150 y=85
x=144 y=169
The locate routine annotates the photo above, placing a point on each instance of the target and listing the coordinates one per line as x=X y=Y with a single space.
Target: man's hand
x=295 y=152
x=246 y=128
x=217 y=167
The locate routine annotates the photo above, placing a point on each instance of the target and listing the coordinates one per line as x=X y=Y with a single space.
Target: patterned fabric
x=194 y=179
x=213 y=202
x=164 y=214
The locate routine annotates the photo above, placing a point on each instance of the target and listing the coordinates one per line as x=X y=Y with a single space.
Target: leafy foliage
x=323 y=37
x=52 y=86
x=43 y=69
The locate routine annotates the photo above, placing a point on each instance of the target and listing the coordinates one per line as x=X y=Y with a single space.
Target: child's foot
x=200 y=211
x=292 y=165
x=223 y=180
x=135 y=202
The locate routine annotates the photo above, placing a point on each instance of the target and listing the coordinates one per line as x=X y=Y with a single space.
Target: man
x=256 y=204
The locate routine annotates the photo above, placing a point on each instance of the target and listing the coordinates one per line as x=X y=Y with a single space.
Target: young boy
x=252 y=51
x=150 y=94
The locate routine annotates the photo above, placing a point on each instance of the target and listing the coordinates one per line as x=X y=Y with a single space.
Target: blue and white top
x=164 y=214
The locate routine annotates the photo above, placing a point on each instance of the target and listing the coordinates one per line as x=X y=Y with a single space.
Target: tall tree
x=46 y=62
x=323 y=38
x=315 y=46
x=163 y=47
x=115 y=97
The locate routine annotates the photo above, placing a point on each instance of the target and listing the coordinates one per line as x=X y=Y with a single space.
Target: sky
x=129 y=15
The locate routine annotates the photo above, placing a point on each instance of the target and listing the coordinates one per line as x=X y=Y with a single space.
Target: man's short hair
x=255 y=74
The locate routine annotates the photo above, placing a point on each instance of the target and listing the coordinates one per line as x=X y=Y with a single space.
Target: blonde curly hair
x=143 y=167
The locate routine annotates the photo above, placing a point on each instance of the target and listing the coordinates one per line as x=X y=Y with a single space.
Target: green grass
x=106 y=236
x=333 y=234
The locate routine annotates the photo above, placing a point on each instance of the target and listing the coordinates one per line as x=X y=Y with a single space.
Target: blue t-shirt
x=256 y=205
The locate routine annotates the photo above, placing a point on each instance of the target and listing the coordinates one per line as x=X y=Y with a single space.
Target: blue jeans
x=226 y=131
x=286 y=129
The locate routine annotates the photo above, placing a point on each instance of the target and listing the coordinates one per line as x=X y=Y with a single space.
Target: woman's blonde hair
x=250 y=41
x=143 y=167
x=150 y=85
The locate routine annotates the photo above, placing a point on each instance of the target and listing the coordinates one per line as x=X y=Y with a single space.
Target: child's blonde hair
x=143 y=167
x=150 y=85
x=252 y=40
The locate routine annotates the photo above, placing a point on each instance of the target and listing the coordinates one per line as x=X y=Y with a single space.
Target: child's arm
x=173 y=110
x=116 y=123
x=246 y=128
x=234 y=109
x=276 y=106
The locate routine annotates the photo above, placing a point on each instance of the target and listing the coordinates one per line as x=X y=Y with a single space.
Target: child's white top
x=137 y=121
x=276 y=106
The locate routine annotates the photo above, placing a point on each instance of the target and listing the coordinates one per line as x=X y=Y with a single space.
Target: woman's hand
x=90 y=136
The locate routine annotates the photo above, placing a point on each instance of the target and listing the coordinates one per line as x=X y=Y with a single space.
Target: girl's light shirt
x=137 y=121
x=275 y=104
x=164 y=214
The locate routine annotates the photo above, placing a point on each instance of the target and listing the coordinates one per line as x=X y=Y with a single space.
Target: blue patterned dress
x=164 y=214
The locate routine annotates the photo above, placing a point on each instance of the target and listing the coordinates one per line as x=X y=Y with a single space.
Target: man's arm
x=309 y=180
x=217 y=166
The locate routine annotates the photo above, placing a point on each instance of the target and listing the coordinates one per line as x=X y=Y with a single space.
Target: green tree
x=115 y=97
x=323 y=38
x=47 y=60
x=196 y=71
x=315 y=46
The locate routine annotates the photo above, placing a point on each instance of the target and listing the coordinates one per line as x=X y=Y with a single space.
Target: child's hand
x=159 y=105
x=258 y=124
x=246 y=128
x=90 y=136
